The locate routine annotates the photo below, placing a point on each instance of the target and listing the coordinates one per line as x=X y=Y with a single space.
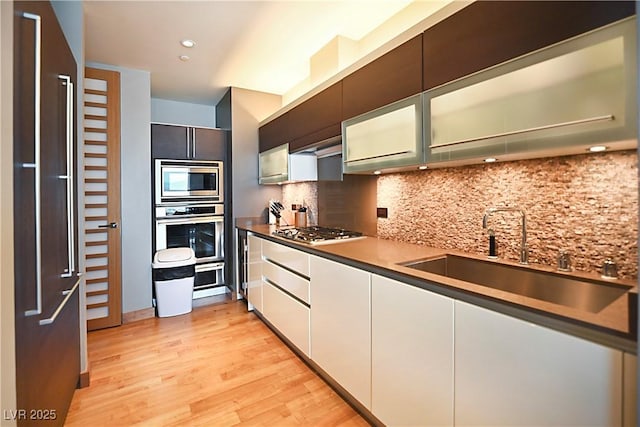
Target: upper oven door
x=186 y=181
x=205 y=235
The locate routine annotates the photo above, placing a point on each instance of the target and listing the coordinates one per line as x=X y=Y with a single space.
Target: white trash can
x=173 y=275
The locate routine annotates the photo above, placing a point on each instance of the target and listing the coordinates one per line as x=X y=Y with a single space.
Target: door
x=47 y=330
x=102 y=198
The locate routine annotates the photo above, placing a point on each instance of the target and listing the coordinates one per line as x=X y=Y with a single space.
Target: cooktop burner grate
x=317 y=234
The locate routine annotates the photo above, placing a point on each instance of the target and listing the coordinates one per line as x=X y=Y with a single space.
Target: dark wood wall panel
x=487 y=33
x=274 y=133
x=393 y=76
x=319 y=116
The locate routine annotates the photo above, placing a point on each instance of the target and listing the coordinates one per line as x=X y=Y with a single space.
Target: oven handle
x=198 y=220
x=209 y=267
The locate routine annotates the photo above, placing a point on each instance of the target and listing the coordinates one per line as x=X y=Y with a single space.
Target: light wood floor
x=217 y=366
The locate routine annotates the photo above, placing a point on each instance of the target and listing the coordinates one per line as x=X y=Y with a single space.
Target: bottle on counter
x=301 y=217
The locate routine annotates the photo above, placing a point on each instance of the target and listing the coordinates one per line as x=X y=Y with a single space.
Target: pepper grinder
x=492 y=244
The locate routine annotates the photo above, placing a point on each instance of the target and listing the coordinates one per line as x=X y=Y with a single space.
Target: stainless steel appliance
x=242 y=263
x=316 y=235
x=188 y=181
x=200 y=227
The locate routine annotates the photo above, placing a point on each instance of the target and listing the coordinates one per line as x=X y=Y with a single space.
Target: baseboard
x=84 y=380
x=134 y=316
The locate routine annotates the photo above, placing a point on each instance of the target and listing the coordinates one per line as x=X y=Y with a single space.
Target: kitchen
x=441 y=208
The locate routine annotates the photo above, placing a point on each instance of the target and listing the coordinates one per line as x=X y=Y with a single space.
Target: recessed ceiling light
x=187 y=43
x=423 y=167
x=490 y=160
x=597 y=148
x=377 y=172
x=184 y=58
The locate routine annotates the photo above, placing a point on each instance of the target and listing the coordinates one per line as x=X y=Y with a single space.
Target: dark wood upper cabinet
x=168 y=142
x=209 y=144
x=187 y=143
x=274 y=133
x=487 y=33
x=394 y=76
x=317 y=118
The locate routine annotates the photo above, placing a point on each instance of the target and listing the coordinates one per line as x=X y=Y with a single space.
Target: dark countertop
x=610 y=326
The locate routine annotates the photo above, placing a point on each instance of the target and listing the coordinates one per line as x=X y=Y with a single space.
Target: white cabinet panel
x=290 y=282
x=290 y=258
x=512 y=373
x=254 y=290
x=341 y=325
x=289 y=316
x=630 y=379
x=412 y=355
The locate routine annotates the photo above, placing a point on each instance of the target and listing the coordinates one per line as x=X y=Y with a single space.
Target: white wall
x=7 y=320
x=248 y=108
x=135 y=157
x=182 y=113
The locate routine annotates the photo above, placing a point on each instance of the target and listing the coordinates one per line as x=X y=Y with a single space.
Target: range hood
x=329 y=158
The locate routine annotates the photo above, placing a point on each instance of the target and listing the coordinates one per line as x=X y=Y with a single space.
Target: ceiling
x=258 y=45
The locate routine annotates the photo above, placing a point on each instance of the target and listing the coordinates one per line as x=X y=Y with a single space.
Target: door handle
x=36 y=162
x=110 y=225
x=69 y=271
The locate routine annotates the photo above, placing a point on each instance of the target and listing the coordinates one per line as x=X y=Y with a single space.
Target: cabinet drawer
x=287 y=257
x=292 y=283
x=289 y=316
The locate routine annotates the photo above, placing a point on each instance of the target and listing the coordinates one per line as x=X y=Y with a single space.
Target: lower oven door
x=210 y=275
x=205 y=235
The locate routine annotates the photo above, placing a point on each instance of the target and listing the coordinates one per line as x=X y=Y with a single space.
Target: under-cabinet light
x=597 y=148
x=490 y=160
x=377 y=172
x=423 y=167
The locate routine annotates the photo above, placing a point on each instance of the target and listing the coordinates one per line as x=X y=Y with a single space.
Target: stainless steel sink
x=591 y=296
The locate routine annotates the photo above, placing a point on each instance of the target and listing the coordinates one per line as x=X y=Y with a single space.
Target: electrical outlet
x=382 y=212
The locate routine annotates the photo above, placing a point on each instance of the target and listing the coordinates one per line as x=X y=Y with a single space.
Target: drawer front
x=289 y=316
x=290 y=258
x=292 y=283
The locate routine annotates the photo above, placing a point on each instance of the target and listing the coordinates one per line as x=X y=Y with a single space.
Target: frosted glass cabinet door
x=509 y=372
x=274 y=165
x=389 y=137
x=559 y=100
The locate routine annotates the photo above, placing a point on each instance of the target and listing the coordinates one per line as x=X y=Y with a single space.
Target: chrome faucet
x=524 y=251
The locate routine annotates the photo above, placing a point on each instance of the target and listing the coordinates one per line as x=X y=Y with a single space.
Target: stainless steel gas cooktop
x=317 y=235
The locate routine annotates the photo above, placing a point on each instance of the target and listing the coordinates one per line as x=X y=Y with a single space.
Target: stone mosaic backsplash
x=584 y=204
x=302 y=193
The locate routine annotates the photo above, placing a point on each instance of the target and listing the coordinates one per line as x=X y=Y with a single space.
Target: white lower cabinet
x=630 y=378
x=412 y=355
x=289 y=316
x=285 y=292
x=509 y=372
x=254 y=291
x=341 y=325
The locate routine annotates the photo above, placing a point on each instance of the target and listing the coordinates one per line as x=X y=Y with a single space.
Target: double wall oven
x=189 y=212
